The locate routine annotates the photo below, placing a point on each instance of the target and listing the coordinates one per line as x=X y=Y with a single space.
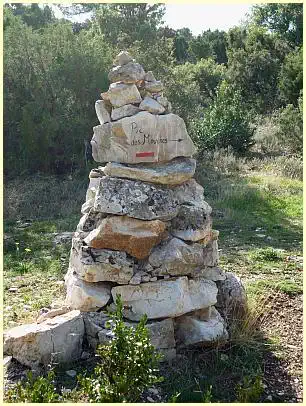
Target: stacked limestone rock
x=146 y=231
x=146 y=234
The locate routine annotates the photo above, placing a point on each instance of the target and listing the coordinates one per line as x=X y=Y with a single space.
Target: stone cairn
x=146 y=231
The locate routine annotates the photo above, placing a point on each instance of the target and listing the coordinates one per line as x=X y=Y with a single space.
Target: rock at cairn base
x=56 y=340
x=146 y=234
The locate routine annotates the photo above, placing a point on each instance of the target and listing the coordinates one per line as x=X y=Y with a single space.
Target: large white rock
x=166 y=298
x=189 y=330
x=145 y=201
x=85 y=296
x=175 y=172
x=144 y=137
x=56 y=340
x=120 y=94
x=130 y=72
x=151 y=105
x=102 y=112
x=125 y=111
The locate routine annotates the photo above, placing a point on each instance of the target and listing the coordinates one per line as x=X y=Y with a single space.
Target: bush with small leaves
x=34 y=390
x=128 y=366
x=226 y=123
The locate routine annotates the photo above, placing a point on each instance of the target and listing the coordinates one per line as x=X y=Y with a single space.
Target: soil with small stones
x=283 y=369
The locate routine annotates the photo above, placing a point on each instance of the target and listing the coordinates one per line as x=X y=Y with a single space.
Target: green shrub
x=225 y=123
x=290 y=127
x=250 y=390
x=128 y=364
x=34 y=390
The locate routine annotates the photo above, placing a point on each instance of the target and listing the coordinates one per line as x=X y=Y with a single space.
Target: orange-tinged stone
x=122 y=233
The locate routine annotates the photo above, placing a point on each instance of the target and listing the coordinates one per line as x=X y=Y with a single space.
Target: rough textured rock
x=149 y=77
x=211 y=254
x=123 y=58
x=192 y=223
x=52 y=313
x=58 y=340
x=130 y=72
x=96 y=173
x=144 y=137
x=212 y=273
x=153 y=86
x=101 y=265
x=162 y=333
x=92 y=188
x=175 y=172
x=163 y=101
x=125 y=111
x=231 y=295
x=136 y=237
x=89 y=221
x=136 y=199
x=191 y=331
x=166 y=298
x=97 y=332
x=176 y=257
x=88 y=205
x=102 y=112
x=85 y=296
x=152 y=106
x=120 y=94
x=191 y=193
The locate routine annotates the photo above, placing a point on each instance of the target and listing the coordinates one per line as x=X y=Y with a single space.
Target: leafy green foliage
x=291 y=77
x=250 y=390
x=289 y=123
x=128 y=364
x=225 y=123
x=35 y=390
x=254 y=61
x=284 y=19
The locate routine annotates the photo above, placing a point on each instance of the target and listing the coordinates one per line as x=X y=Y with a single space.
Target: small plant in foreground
x=250 y=390
x=34 y=390
x=128 y=363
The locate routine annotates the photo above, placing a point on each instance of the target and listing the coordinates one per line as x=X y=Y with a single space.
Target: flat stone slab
x=166 y=298
x=190 y=330
x=145 y=137
x=125 y=111
x=56 y=340
x=122 y=233
x=136 y=199
x=85 y=296
x=175 y=172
